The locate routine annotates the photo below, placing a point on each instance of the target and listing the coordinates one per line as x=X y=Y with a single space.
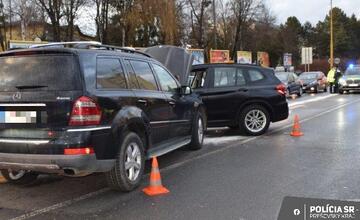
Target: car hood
x=307 y=81
x=175 y=59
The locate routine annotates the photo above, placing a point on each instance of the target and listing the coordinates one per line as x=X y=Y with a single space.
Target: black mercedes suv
x=78 y=108
x=245 y=97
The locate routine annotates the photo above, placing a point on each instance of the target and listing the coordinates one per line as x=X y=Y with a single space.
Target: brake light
x=85 y=112
x=281 y=89
x=79 y=151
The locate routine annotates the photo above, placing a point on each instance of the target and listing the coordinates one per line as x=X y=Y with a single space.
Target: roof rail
x=89 y=45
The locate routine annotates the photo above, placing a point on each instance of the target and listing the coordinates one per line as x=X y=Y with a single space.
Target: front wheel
x=341 y=91
x=254 y=120
x=198 y=130
x=20 y=177
x=129 y=165
x=301 y=92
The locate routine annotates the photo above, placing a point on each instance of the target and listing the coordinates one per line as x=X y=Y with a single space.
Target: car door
x=226 y=89
x=150 y=98
x=181 y=108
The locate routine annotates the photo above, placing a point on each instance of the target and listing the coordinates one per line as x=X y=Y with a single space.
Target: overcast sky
x=310 y=10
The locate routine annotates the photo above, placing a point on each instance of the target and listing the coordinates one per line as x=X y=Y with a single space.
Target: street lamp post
x=331 y=36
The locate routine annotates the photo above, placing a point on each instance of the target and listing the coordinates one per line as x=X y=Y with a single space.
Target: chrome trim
x=164 y=122
x=23 y=141
x=88 y=129
x=23 y=104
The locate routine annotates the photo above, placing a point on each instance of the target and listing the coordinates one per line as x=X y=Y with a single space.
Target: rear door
x=150 y=98
x=38 y=90
x=226 y=90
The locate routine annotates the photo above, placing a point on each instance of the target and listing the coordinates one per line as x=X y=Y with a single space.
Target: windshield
x=283 y=77
x=353 y=70
x=307 y=76
x=40 y=72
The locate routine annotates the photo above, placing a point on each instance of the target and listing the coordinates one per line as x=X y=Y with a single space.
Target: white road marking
x=302 y=102
x=173 y=166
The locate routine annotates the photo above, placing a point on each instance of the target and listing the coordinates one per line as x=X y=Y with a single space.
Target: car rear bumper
x=61 y=164
x=43 y=151
x=280 y=112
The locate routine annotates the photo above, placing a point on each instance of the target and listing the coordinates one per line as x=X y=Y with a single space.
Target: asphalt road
x=232 y=177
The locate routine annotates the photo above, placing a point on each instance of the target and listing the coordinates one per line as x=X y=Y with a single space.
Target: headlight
x=342 y=81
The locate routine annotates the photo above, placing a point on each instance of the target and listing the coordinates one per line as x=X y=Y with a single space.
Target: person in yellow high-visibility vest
x=331 y=79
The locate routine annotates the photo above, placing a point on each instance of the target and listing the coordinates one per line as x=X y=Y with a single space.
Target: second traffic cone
x=296 y=128
x=155 y=187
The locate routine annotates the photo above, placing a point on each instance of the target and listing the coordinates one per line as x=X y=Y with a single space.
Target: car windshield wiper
x=30 y=86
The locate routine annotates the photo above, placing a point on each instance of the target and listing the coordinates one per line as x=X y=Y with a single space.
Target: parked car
x=247 y=97
x=314 y=81
x=350 y=81
x=291 y=81
x=91 y=108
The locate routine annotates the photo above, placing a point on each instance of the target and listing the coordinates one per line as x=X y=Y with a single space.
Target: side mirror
x=185 y=90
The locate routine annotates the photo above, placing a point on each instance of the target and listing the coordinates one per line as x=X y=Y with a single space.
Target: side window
x=167 y=82
x=110 y=74
x=240 y=78
x=144 y=75
x=131 y=74
x=197 y=78
x=255 y=75
x=224 y=76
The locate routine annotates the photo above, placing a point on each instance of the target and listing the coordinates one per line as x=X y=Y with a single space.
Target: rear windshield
x=40 y=72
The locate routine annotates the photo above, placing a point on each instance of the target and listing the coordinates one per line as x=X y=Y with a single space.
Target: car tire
x=325 y=89
x=341 y=91
x=253 y=114
x=21 y=177
x=198 y=131
x=301 y=92
x=131 y=150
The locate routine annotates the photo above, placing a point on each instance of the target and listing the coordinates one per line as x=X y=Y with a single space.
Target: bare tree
x=71 y=9
x=53 y=9
x=102 y=19
x=243 y=11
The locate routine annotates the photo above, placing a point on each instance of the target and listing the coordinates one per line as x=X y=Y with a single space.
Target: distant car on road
x=246 y=97
x=350 y=81
x=314 y=81
x=291 y=81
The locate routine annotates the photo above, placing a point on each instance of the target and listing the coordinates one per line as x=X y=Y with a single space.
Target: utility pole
x=2 y=26
x=10 y=17
x=215 y=32
x=331 y=37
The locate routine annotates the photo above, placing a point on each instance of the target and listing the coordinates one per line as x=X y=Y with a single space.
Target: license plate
x=27 y=117
x=353 y=85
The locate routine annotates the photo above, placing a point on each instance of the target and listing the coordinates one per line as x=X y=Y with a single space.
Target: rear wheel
x=198 y=130
x=254 y=120
x=325 y=89
x=20 y=177
x=129 y=165
x=341 y=91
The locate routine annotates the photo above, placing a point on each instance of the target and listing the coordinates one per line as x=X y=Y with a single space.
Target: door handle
x=142 y=101
x=243 y=90
x=172 y=103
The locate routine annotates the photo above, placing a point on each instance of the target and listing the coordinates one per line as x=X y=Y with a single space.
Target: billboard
x=263 y=59
x=287 y=59
x=219 y=56
x=198 y=55
x=244 y=57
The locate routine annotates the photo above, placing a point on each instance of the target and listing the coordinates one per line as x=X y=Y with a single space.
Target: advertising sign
x=219 y=56
x=198 y=55
x=287 y=59
x=263 y=59
x=244 y=57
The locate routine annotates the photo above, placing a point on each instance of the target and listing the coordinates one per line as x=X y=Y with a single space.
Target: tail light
x=85 y=112
x=281 y=89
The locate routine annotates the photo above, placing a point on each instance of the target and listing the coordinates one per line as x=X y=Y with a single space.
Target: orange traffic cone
x=155 y=187
x=296 y=128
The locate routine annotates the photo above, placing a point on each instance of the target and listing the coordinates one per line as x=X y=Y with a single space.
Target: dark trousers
x=334 y=87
